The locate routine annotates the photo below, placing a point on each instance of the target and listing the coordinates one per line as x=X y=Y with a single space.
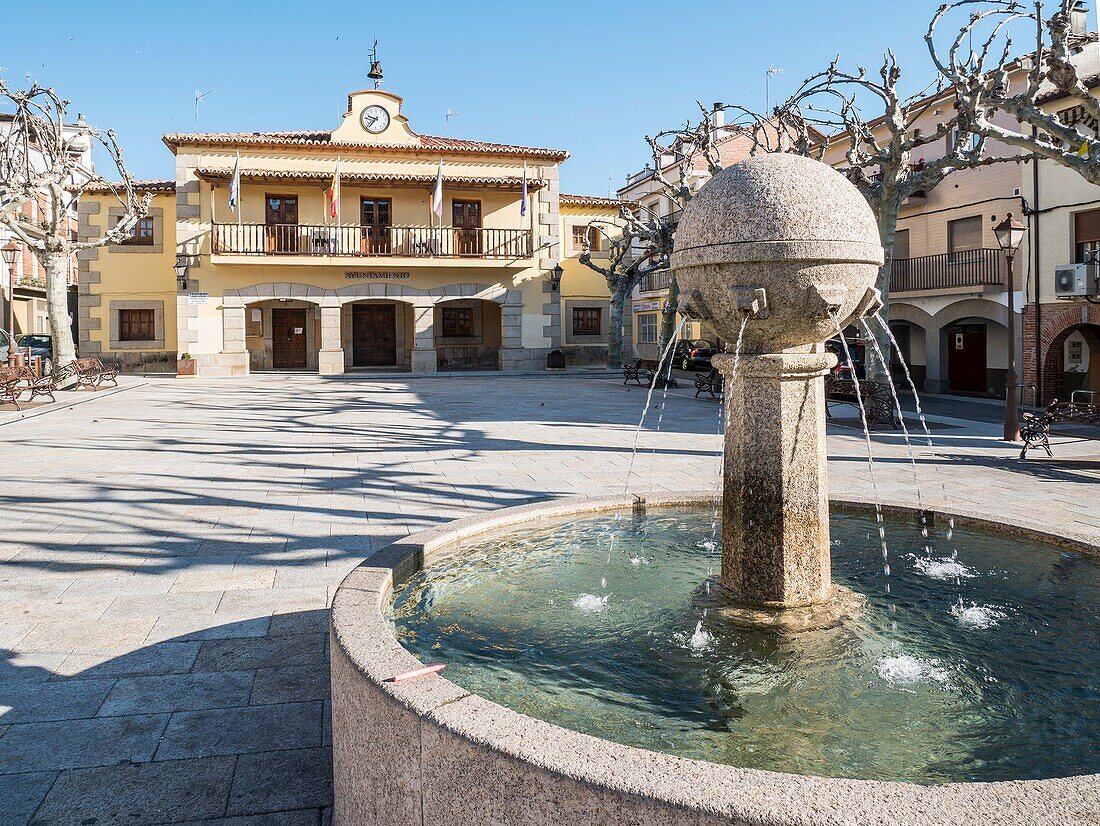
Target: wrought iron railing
x=356 y=241
x=965 y=268
x=654 y=282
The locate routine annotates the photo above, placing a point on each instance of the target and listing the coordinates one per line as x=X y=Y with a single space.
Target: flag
x=1083 y=152
x=437 y=195
x=523 y=193
x=334 y=194
x=235 y=185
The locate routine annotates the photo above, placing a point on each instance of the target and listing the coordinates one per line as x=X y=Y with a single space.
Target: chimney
x=1078 y=19
x=717 y=115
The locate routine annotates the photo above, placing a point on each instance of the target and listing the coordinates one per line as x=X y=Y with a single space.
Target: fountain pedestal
x=775 y=509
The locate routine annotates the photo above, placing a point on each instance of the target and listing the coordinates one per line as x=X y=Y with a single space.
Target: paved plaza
x=169 y=550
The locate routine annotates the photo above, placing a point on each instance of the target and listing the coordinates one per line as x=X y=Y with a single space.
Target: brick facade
x=1057 y=321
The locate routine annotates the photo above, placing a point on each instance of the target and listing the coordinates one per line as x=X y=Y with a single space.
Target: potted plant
x=185 y=365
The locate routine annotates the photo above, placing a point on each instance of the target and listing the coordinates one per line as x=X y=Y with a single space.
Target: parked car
x=3 y=347
x=694 y=355
x=843 y=369
x=41 y=345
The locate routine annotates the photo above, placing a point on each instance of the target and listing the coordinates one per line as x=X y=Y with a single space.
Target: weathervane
x=375 y=72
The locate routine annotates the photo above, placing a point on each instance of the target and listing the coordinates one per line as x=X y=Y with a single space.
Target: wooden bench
x=12 y=385
x=878 y=401
x=711 y=382
x=1035 y=430
x=91 y=372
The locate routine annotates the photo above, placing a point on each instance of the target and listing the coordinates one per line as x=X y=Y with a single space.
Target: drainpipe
x=1038 y=279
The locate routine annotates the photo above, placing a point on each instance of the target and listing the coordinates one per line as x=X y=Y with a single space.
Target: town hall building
x=368 y=247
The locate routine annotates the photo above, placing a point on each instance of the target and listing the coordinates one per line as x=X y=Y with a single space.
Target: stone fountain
x=771 y=253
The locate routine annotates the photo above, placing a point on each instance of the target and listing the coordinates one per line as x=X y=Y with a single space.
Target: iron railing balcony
x=356 y=241
x=654 y=282
x=965 y=268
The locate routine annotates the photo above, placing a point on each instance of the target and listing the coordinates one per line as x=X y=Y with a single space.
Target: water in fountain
x=949 y=535
x=1007 y=687
x=870 y=464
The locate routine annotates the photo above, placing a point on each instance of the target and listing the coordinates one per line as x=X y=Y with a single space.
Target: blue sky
x=591 y=77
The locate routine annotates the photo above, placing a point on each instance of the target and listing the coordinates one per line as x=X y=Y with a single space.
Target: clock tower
x=374 y=117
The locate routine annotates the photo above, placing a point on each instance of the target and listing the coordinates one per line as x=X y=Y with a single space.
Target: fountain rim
x=360 y=631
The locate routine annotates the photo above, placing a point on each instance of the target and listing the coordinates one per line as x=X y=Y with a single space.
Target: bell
x=375 y=72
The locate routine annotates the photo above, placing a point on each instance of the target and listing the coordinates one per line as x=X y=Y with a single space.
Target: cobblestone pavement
x=168 y=552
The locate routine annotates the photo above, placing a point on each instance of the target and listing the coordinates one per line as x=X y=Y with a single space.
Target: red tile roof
x=258 y=175
x=592 y=201
x=139 y=186
x=430 y=143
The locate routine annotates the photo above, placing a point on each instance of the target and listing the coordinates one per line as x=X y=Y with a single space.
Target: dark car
x=843 y=369
x=40 y=344
x=694 y=355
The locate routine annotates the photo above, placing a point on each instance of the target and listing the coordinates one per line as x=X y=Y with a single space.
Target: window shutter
x=1086 y=226
x=965 y=234
x=901 y=244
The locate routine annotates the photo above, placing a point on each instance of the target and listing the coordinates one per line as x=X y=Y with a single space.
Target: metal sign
x=198 y=299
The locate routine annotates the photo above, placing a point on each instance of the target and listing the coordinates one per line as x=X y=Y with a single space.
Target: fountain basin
x=429 y=750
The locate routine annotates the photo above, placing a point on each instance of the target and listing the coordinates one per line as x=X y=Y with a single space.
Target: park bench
x=878 y=401
x=643 y=372
x=709 y=383
x=44 y=385
x=1035 y=430
x=91 y=372
x=12 y=385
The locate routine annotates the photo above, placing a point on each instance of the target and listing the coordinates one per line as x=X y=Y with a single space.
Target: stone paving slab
x=185 y=549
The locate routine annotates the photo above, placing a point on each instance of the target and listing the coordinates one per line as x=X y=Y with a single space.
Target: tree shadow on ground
x=231 y=720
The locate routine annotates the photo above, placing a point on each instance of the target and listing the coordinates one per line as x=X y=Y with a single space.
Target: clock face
x=375 y=119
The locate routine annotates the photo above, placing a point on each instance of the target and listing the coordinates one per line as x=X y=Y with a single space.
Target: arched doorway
x=281 y=334
x=973 y=347
x=1073 y=360
x=468 y=334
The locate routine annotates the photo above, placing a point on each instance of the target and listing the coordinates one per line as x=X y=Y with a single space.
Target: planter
x=186 y=367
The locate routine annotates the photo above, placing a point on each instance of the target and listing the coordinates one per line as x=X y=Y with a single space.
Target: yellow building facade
x=328 y=255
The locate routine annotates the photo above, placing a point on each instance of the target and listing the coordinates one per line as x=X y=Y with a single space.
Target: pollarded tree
x=888 y=156
x=987 y=79
x=42 y=164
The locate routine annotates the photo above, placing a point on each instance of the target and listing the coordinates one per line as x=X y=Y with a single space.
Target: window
x=963 y=235
x=458 y=322
x=901 y=244
x=647 y=328
x=586 y=321
x=583 y=233
x=141 y=235
x=1086 y=235
x=137 y=325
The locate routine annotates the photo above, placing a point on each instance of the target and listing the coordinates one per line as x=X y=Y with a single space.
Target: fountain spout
x=783 y=245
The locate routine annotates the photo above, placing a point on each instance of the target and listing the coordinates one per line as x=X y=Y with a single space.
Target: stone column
x=330 y=358
x=512 y=354
x=233 y=359
x=775 y=510
x=934 y=380
x=424 y=358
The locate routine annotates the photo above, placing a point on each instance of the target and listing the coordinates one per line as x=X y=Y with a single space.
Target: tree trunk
x=887 y=229
x=668 y=314
x=615 y=328
x=57 y=306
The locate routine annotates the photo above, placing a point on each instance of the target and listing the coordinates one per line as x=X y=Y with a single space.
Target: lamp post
x=10 y=251
x=1010 y=233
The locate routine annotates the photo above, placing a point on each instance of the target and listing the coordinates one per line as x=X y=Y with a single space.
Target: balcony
x=355 y=241
x=654 y=282
x=965 y=268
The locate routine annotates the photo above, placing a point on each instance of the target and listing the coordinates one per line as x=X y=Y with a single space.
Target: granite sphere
x=791 y=225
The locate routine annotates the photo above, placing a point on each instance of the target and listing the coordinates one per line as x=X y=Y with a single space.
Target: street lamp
x=181 y=267
x=555 y=278
x=1010 y=233
x=10 y=252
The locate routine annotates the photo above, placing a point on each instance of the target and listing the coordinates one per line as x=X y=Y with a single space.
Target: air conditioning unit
x=1077 y=280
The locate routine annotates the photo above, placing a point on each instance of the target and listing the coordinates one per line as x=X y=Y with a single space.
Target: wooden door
x=281 y=220
x=373 y=335
x=966 y=359
x=288 y=339
x=374 y=218
x=466 y=219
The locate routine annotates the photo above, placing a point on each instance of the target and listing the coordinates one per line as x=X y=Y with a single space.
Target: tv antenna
x=200 y=97
x=451 y=113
